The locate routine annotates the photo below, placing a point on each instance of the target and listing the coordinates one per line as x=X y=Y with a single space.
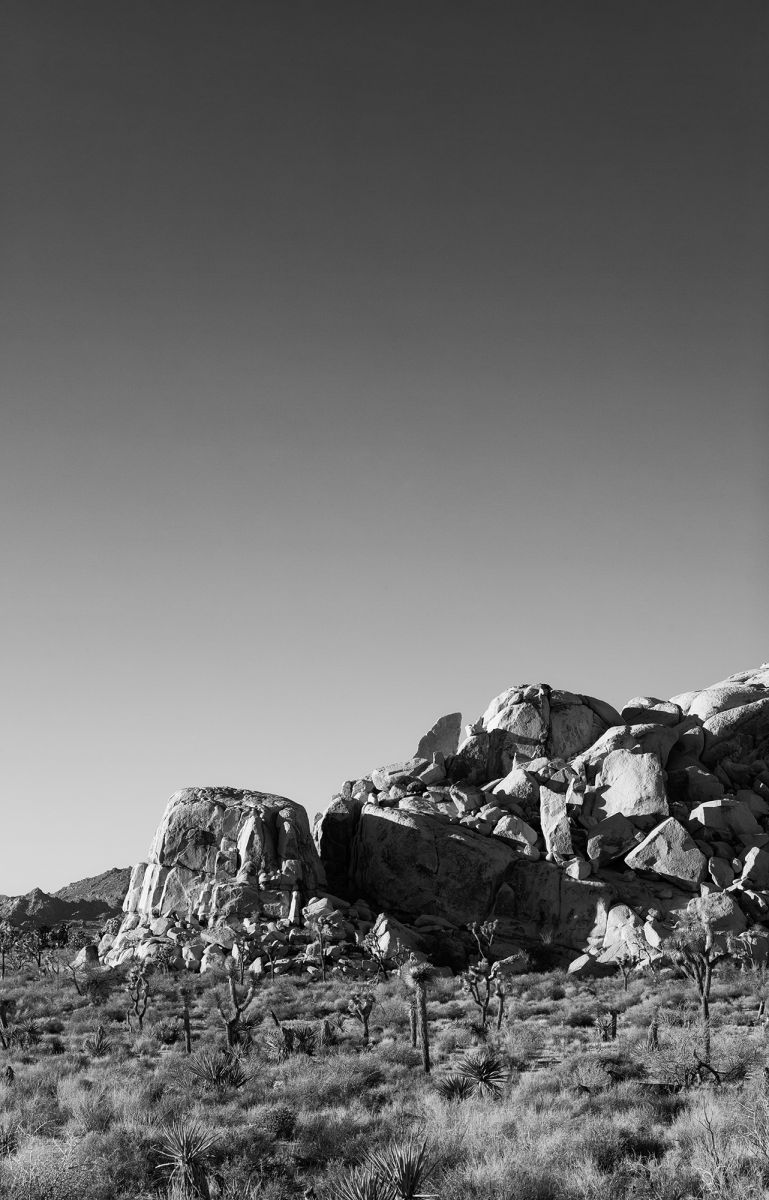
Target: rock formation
x=559 y=813
x=570 y=823
x=219 y=854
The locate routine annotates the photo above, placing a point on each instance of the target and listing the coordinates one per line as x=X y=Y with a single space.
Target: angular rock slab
x=541 y=898
x=670 y=853
x=411 y=864
x=443 y=738
x=633 y=785
x=556 y=827
x=609 y=839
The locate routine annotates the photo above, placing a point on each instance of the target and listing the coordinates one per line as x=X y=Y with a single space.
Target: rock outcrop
x=219 y=855
x=575 y=826
x=557 y=811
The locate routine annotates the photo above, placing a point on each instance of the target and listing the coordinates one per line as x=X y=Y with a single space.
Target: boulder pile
x=572 y=824
x=561 y=817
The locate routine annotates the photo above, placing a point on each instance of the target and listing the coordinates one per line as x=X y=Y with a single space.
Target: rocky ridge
x=93 y=899
x=572 y=824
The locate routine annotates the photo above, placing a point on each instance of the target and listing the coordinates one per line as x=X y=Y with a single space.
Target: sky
x=359 y=361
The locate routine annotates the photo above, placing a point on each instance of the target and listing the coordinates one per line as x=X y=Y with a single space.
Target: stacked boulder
x=558 y=815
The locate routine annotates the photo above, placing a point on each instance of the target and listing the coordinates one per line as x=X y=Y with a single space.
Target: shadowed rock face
x=408 y=863
x=218 y=848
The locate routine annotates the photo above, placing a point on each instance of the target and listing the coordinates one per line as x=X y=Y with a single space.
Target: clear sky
x=361 y=360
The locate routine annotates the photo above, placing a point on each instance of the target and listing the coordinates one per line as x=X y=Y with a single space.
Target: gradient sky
x=359 y=361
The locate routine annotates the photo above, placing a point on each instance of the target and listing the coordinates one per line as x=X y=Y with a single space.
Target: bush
x=167 y=1030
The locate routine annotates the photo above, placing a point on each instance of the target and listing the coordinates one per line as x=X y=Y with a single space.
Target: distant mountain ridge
x=93 y=899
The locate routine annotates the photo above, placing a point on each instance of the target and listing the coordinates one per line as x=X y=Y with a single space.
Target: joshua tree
x=418 y=976
x=32 y=945
x=184 y=997
x=627 y=964
x=370 y=947
x=477 y=981
x=232 y=1015
x=360 y=1005
x=692 y=949
x=138 y=988
x=653 y=1034
x=484 y=935
x=9 y=937
x=249 y=946
x=320 y=928
x=606 y=1024
x=6 y=1011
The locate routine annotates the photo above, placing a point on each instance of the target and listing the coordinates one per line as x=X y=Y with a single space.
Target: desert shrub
x=280 y=1122
x=521 y=1043
x=579 y=1019
x=329 y=1134
x=93 y=1111
x=44 y=1169
x=51 y=1025
x=444 y=988
x=10 y=1135
x=167 y=1030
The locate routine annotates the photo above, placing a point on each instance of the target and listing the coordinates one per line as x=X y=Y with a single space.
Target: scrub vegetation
x=133 y=1083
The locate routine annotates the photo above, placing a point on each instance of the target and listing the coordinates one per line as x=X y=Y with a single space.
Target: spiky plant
x=363 y=1183
x=404 y=1167
x=455 y=1087
x=99 y=1044
x=305 y=1039
x=486 y=1072
x=218 y=1071
x=184 y=1155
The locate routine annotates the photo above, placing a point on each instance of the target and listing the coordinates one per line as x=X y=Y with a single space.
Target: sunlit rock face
x=219 y=849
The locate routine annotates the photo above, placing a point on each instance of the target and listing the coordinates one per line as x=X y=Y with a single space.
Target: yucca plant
x=184 y=1155
x=305 y=1039
x=486 y=1071
x=218 y=1071
x=455 y=1087
x=404 y=1168
x=99 y=1044
x=364 y=1183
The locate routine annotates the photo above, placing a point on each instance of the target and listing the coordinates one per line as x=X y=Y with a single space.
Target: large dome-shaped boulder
x=219 y=848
